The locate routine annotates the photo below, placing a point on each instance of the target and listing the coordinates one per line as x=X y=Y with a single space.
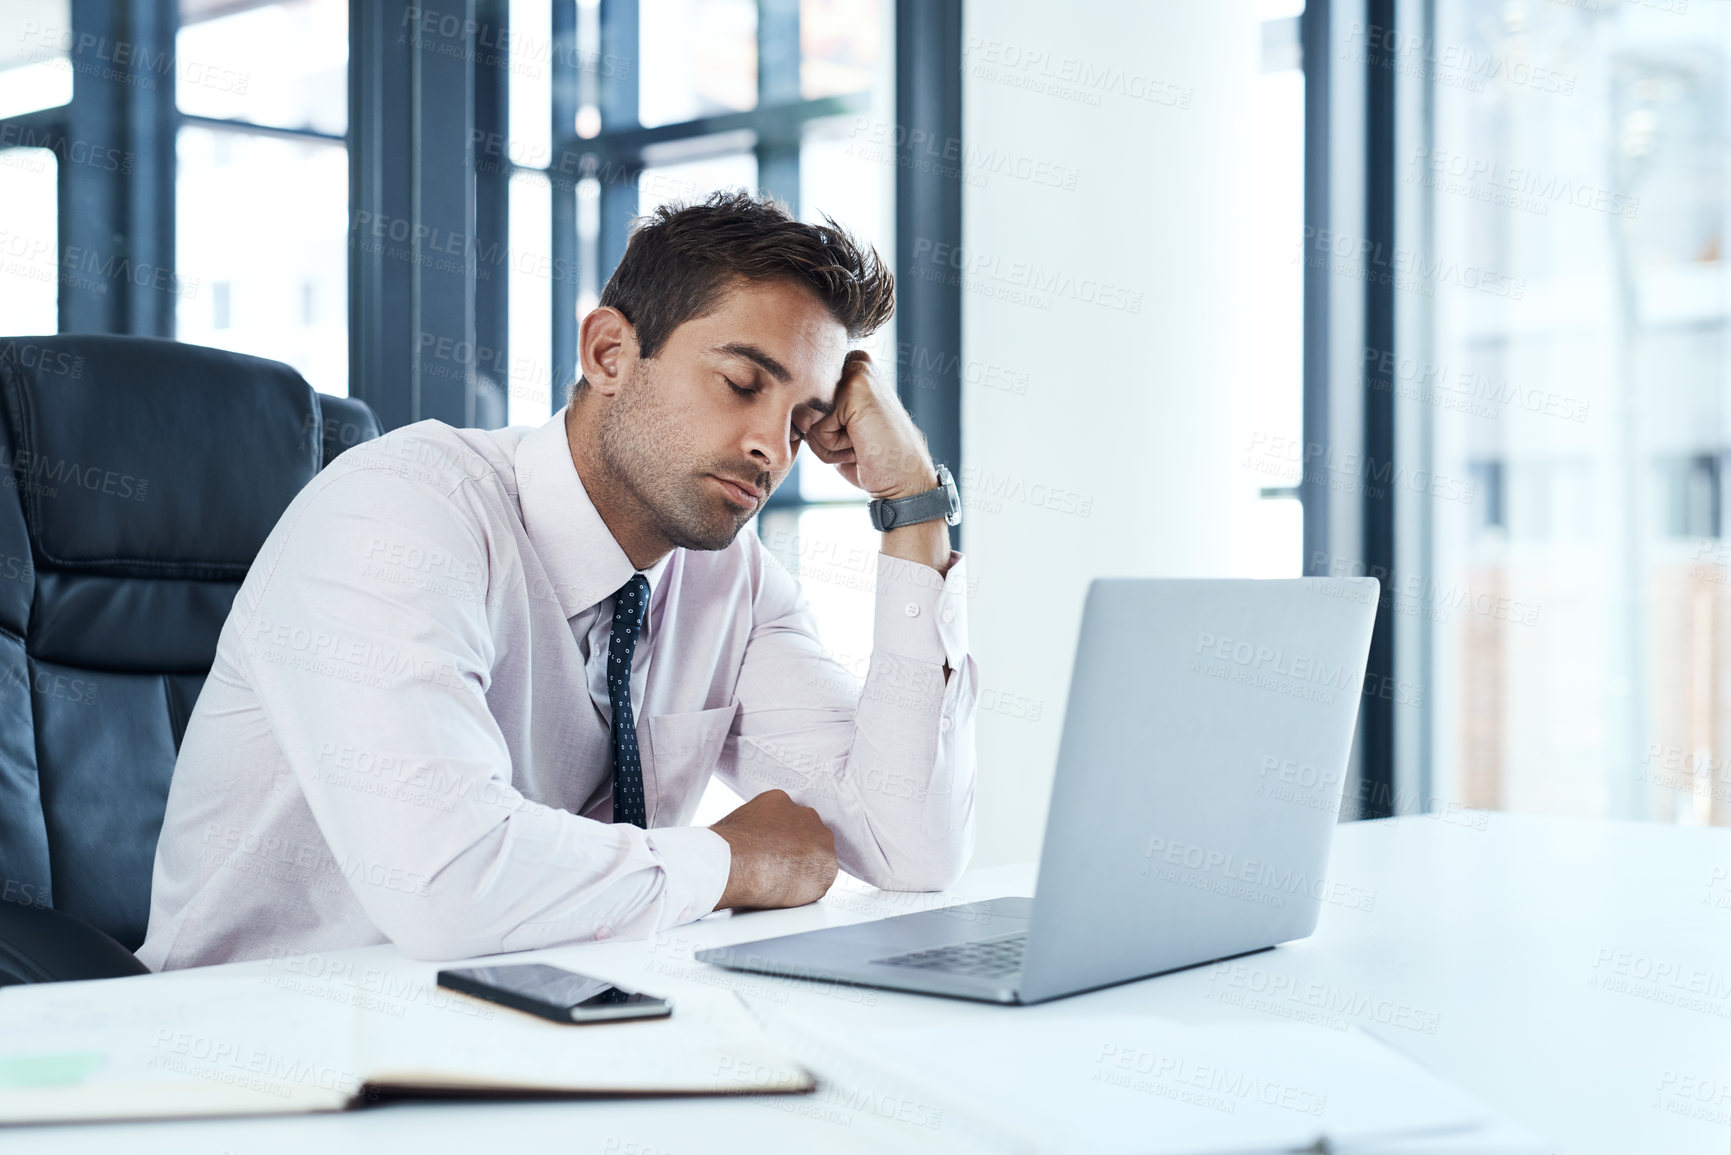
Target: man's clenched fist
x=783 y=854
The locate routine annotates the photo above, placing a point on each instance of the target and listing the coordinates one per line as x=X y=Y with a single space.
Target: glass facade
x=1566 y=362
x=30 y=268
x=1276 y=330
x=261 y=217
x=261 y=249
x=35 y=64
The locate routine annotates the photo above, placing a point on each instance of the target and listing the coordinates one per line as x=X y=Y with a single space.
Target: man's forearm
x=928 y=543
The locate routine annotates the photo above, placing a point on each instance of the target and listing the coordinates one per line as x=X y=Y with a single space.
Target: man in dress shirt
x=410 y=732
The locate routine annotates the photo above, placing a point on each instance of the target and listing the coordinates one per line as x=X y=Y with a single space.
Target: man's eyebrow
x=771 y=366
x=752 y=353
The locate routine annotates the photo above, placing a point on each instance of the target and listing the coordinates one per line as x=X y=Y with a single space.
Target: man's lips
x=744 y=495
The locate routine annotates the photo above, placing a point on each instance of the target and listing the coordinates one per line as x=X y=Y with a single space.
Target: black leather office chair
x=138 y=479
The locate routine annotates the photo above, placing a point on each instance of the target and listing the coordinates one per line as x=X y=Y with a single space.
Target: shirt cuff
x=922 y=614
x=696 y=862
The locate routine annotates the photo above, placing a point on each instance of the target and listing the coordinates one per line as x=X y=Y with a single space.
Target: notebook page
x=158 y=1046
x=452 y=1042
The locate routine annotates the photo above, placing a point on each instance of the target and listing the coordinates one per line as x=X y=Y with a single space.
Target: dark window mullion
x=27 y=128
x=778 y=84
x=778 y=158
x=1377 y=721
x=624 y=144
x=118 y=219
x=619 y=111
x=567 y=80
x=221 y=124
x=1313 y=489
x=492 y=226
x=928 y=47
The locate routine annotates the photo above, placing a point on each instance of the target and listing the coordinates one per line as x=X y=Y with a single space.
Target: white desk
x=1576 y=975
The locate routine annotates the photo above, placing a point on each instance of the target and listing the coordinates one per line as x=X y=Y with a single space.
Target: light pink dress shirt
x=404 y=735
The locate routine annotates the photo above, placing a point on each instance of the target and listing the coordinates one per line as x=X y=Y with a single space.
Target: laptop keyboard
x=988 y=958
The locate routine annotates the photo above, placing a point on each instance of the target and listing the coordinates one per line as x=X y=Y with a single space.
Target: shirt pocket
x=684 y=750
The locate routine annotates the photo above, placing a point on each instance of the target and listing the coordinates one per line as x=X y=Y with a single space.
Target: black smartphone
x=561 y=995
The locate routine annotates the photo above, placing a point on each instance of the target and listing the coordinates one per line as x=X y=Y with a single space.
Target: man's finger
x=827 y=456
x=828 y=440
x=826 y=429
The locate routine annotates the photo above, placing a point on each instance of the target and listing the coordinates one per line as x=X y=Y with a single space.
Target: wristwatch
x=944 y=501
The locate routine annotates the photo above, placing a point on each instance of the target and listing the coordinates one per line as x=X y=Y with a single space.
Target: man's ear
x=606 y=349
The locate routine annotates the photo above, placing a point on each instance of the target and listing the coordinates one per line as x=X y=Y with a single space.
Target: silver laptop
x=1199 y=779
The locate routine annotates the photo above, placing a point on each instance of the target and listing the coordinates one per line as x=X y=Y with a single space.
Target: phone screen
x=555 y=993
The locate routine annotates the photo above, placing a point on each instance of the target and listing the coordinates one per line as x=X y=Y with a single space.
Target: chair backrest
x=138 y=479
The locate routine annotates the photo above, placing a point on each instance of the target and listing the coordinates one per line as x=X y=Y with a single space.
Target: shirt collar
x=582 y=557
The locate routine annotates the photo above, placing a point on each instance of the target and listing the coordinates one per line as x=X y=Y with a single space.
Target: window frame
x=126 y=214
x=399 y=92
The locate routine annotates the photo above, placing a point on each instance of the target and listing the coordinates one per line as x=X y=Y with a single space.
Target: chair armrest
x=42 y=945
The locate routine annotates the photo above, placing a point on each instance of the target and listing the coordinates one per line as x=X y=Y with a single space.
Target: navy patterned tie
x=629 y=606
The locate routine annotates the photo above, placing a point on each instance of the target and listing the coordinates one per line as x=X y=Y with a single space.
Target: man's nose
x=772 y=447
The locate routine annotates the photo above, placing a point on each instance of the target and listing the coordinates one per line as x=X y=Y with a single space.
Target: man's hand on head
x=875 y=445
x=870 y=438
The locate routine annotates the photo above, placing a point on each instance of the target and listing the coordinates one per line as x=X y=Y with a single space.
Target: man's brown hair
x=682 y=258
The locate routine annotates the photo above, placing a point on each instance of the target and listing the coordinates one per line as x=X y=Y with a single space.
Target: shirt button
x=948 y=615
x=944 y=725
x=603 y=932
x=685 y=915
x=912 y=610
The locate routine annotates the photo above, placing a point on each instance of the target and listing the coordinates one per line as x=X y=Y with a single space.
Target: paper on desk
x=150 y=1047
x=455 y=1043
x=1499 y=1137
x=190 y=1045
x=1137 y=1084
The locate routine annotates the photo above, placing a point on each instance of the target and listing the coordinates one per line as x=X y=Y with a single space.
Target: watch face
x=954 y=516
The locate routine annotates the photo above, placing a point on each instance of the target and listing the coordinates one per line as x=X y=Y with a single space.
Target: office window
x=35 y=76
x=282 y=65
x=824 y=537
x=699 y=58
x=261 y=187
x=841 y=44
x=1568 y=362
x=1275 y=328
x=528 y=369
x=35 y=67
x=682 y=182
x=29 y=242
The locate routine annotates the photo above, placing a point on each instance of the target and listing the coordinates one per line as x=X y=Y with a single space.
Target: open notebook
x=184 y=1044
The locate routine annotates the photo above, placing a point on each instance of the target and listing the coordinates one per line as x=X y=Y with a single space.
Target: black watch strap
x=944 y=501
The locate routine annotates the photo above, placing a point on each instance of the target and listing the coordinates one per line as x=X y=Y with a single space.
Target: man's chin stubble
x=710 y=537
